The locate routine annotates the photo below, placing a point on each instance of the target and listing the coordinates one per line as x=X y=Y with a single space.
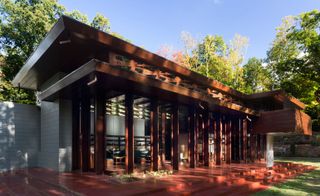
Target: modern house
x=107 y=104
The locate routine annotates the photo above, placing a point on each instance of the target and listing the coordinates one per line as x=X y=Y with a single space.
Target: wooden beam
x=100 y=129
x=129 y=132
x=205 y=142
x=139 y=78
x=85 y=132
x=175 y=138
x=154 y=129
x=217 y=135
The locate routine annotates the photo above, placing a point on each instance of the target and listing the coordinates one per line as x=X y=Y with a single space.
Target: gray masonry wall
x=49 y=148
x=56 y=135
x=65 y=136
x=19 y=135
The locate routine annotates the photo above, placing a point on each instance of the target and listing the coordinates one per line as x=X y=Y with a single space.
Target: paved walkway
x=234 y=179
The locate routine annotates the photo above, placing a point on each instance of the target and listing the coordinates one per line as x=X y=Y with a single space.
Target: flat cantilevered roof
x=71 y=44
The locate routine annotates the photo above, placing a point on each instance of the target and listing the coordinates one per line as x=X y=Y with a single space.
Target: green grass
x=305 y=184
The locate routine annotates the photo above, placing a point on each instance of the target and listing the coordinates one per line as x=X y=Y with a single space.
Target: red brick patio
x=240 y=179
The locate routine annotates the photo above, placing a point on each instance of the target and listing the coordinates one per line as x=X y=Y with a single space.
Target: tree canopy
x=23 y=24
x=294 y=60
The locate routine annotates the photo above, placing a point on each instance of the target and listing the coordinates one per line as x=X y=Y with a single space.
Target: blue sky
x=152 y=24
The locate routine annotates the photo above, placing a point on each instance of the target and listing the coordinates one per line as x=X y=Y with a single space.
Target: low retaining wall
x=19 y=135
x=299 y=150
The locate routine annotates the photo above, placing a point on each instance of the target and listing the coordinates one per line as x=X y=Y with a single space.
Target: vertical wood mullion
x=100 y=127
x=154 y=120
x=129 y=133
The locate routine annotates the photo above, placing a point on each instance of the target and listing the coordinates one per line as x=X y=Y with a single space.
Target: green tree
x=23 y=24
x=214 y=58
x=236 y=52
x=209 y=58
x=76 y=14
x=294 y=60
x=100 y=22
x=256 y=77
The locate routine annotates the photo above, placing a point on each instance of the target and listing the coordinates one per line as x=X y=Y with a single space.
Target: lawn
x=305 y=184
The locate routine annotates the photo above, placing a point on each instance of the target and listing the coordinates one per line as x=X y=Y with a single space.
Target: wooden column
x=192 y=136
x=240 y=138
x=205 y=143
x=100 y=127
x=175 y=138
x=197 y=130
x=154 y=129
x=265 y=146
x=252 y=147
x=245 y=142
x=237 y=139
x=129 y=132
x=163 y=137
x=217 y=134
x=85 y=133
x=228 y=141
x=258 y=147
x=76 y=134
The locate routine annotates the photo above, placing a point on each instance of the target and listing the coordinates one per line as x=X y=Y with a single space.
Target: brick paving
x=234 y=179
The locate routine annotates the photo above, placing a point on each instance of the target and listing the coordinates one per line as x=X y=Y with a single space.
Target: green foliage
x=294 y=60
x=101 y=23
x=78 y=16
x=256 y=77
x=208 y=58
x=23 y=24
x=215 y=59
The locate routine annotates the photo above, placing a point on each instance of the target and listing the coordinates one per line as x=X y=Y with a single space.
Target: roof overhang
x=76 y=32
x=70 y=44
x=112 y=77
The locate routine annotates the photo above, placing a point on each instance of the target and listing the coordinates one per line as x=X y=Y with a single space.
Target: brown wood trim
x=205 y=142
x=86 y=32
x=245 y=142
x=163 y=137
x=109 y=70
x=192 y=136
x=175 y=138
x=217 y=134
x=100 y=127
x=154 y=128
x=129 y=133
x=85 y=133
x=279 y=95
x=283 y=121
x=228 y=141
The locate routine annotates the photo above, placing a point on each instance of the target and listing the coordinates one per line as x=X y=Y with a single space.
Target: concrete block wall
x=49 y=148
x=65 y=136
x=56 y=135
x=19 y=135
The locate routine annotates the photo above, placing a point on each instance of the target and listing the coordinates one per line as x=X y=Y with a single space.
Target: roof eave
x=49 y=39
